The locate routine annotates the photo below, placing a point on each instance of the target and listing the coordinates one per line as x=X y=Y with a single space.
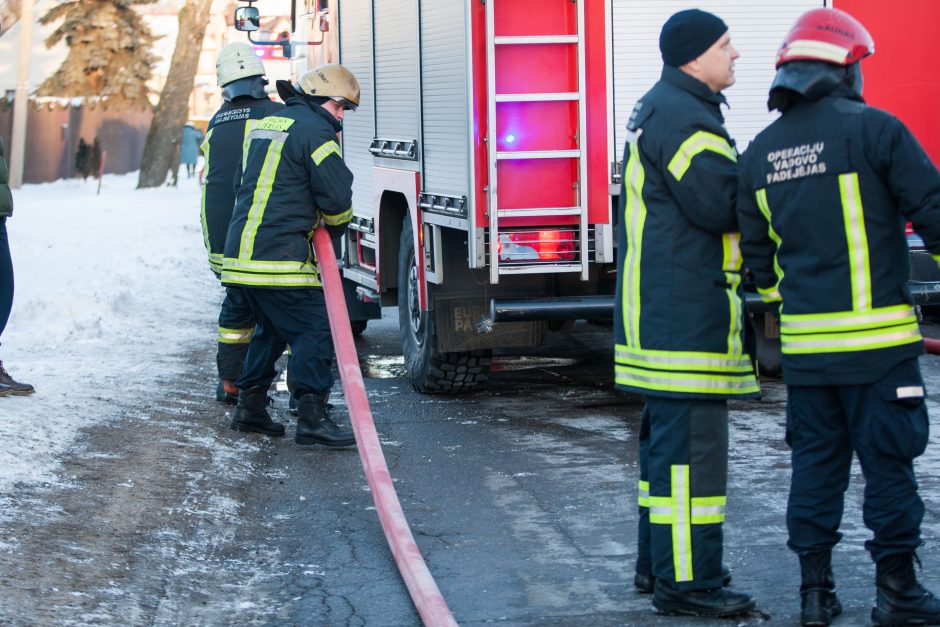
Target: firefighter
x=825 y=191
x=294 y=181
x=679 y=325
x=240 y=74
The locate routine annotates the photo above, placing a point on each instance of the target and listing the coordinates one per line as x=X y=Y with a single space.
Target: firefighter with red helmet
x=240 y=74
x=824 y=194
x=678 y=243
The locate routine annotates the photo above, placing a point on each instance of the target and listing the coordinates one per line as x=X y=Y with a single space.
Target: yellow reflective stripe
x=634 y=221
x=259 y=202
x=324 y=151
x=764 y=208
x=274 y=123
x=847 y=320
x=731 y=262
x=857 y=239
x=338 y=218
x=202 y=210
x=215 y=262
x=681 y=528
x=682 y=360
x=235 y=336
x=769 y=294
x=936 y=258
x=268 y=266
x=643 y=494
x=699 y=142
x=271 y=280
x=849 y=342
x=708 y=510
x=685 y=382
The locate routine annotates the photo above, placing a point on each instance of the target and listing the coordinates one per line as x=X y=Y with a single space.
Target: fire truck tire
x=358 y=326
x=430 y=371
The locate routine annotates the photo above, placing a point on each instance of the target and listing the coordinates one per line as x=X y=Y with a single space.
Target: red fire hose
x=421 y=586
x=932 y=345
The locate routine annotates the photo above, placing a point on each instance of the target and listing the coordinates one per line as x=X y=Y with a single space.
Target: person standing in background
x=189 y=148
x=240 y=74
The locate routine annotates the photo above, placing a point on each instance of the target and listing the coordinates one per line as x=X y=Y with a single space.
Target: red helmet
x=828 y=35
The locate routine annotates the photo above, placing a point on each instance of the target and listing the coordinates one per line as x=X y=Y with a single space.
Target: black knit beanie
x=687 y=34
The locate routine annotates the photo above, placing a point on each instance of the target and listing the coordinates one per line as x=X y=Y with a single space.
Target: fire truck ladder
x=495 y=155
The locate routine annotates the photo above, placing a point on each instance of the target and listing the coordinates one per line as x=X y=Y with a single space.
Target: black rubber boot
x=717 y=602
x=901 y=600
x=818 y=601
x=12 y=386
x=314 y=426
x=251 y=415
x=645 y=582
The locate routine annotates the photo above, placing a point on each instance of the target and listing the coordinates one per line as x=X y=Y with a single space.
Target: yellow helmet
x=331 y=81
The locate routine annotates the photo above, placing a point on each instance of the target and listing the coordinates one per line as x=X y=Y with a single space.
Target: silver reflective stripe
x=708 y=510
x=846 y=319
x=260 y=133
x=835 y=342
x=679 y=361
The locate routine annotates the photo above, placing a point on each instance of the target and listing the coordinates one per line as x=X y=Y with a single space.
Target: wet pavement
x=521 y=497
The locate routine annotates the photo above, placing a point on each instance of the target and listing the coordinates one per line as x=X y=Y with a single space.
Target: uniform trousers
x=236 y=327
x=296 y=317
x=683 y=481
x=6 y=276
x=885 y=423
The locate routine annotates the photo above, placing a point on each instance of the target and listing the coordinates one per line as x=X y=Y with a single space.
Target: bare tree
x=109 y=52
x=161 y=151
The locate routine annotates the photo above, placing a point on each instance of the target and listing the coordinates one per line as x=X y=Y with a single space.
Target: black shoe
x=15 y=387
x=645 y=583
x=901 y=600
x=818 y=601
x=251 y=415
x=314 y=426
x=716 y=602
x=226 y=392
x=5 y=390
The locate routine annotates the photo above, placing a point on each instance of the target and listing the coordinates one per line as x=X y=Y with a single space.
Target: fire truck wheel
x=430 y=371
x=358 y=326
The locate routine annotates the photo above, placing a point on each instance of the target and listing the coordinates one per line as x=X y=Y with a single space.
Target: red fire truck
x=486 y=151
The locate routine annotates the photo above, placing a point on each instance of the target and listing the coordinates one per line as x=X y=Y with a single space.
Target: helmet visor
x=348 y=105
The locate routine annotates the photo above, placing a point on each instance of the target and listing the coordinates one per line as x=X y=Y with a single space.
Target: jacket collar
x=675 y=76
x=301 y=101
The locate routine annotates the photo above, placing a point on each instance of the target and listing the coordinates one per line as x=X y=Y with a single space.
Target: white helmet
x=237 y=60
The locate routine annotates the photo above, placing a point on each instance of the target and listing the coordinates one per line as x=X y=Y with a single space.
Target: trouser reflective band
x=643 y=500
x=681 y=511
x=235 y=336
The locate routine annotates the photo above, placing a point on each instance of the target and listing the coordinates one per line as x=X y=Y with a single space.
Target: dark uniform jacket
x=825 y=191
x=679 y=324
x=222 y=150
x=6 y=197
x=294 y=174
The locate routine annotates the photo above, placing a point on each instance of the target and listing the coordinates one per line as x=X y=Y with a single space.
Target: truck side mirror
x=247 y=19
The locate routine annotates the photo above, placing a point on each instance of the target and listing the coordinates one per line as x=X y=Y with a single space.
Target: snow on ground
x=111 y=290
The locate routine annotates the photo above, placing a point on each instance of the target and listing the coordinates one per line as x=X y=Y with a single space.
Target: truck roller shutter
x=359 y=126
x=756 y=26
x=397 y=99
x=445 y=105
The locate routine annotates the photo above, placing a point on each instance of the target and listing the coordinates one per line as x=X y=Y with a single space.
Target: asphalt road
x=521 y=497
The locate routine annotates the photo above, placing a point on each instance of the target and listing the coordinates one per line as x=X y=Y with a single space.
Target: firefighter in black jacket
x=294 y=181
x=825 y=191
x=241 y=75
x=679 y=324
